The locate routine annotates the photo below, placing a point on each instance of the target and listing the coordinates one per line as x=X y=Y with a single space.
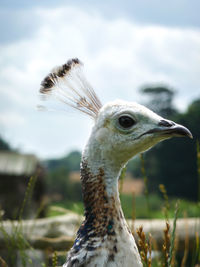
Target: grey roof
x=12 y=163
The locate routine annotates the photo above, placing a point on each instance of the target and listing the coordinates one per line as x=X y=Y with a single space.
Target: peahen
x=121 y=130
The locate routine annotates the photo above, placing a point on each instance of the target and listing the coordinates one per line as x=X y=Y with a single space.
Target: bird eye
x=126 y=122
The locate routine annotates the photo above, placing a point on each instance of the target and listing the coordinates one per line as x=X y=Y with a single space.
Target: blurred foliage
x=174 y=162
x=58 y=177
x=134 y=167
x=58 y=182
x=70 y=162
x=4 y=145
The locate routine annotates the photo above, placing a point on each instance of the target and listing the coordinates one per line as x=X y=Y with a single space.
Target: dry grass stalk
x=146 y=191
x=55 y=259
x=133 y=214
x=150 y=248
x=174 y=240
x=174 y=259
x=186 y=250
x=166 y=244
x=144 y=247
x=165 y=196
x=198 y=168
x=196 y=257
x=2 y=262
x=121 y=179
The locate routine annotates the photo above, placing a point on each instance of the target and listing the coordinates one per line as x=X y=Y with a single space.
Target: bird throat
x=103 y=213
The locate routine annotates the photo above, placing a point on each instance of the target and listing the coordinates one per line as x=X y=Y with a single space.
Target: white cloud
x=11 y=119
x=119 y=57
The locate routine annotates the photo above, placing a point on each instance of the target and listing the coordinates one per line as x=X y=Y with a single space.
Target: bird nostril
x=166 y=123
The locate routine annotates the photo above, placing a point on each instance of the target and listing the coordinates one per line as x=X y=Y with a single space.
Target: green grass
x=67 y=205
x=156 y=204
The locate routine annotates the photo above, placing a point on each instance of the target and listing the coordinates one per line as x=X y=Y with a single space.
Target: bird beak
x=170 y=129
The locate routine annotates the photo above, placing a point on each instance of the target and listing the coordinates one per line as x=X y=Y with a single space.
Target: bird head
x=121 y=129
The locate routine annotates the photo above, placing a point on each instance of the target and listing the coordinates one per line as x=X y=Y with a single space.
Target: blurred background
x=143 y=51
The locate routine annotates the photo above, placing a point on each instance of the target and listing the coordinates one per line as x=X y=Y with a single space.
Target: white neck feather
x=95 y=157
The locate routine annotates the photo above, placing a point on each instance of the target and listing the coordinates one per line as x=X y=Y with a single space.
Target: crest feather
x=68 y=84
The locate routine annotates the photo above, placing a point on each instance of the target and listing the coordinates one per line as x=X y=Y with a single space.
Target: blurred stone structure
x=15 y=172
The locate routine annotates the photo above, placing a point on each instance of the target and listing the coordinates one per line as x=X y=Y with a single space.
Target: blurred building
x=15 y=172
x=132 y=185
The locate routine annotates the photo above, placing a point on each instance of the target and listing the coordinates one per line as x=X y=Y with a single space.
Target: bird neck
x=100 y=195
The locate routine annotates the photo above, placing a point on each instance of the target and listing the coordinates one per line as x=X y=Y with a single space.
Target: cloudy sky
x=123 y=44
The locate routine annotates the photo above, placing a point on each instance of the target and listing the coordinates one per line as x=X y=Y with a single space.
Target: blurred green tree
x=173 y=162
x=160 y=99
x=58 y=182
x=71 y=162
x=3 y=144
x=58 y=176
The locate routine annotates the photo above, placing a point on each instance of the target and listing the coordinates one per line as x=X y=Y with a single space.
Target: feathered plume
x=68 y=84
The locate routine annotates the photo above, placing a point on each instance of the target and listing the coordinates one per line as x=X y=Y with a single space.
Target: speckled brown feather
x=103 y=217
